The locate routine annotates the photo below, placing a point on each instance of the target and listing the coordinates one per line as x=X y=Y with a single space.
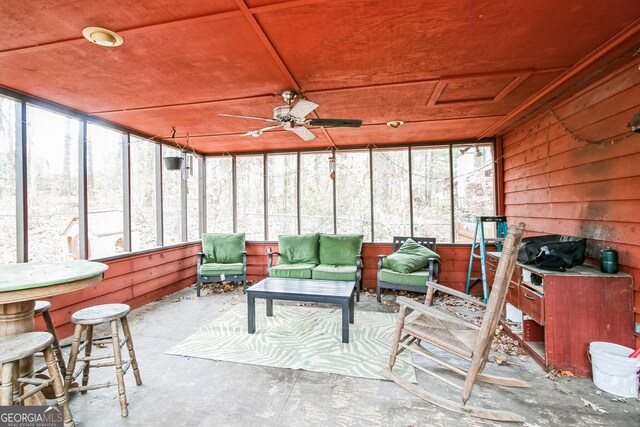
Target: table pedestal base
x=17 y=318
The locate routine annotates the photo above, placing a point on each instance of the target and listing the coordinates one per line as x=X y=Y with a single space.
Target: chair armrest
x=455 y=293
x=359 y=261
x=270 y=261
x=244 y=261
x=200 y=256
x=434 y=269
x=421 y=308
x=380 y=259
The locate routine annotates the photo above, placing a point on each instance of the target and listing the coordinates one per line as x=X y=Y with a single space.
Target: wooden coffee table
x=327 y=291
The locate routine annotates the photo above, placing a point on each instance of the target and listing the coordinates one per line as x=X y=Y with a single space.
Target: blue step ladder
x=479 y=241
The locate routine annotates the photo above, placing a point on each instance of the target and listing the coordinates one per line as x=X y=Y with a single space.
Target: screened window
x=171 y=200
x=142 y=159
x=282 y=202
x=250 y=190
x=391 y=194
x=353 y=198
x=431 y=191
x=193 y=206
x=219 y=193
x=52 y=176
x=9 y=121
x=104 y=191
x=316 y=194
x=473 y=189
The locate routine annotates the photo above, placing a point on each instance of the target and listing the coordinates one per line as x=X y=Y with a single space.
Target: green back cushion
x=223 y=248
x=340 y=249
x=298 y=249
x=410 y=257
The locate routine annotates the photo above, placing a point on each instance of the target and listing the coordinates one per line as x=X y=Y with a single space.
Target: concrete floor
x=182 y=391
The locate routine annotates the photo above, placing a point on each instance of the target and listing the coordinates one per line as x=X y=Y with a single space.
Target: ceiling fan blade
x=303 y=133
x=258 y=132
x=248 y=117
x=336 y=123
x=302 y=108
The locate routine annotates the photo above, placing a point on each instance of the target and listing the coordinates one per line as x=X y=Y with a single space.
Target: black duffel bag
x=553 y=244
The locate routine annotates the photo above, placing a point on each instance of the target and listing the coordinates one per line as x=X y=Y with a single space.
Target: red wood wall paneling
x=573 y=170
x=134 y=280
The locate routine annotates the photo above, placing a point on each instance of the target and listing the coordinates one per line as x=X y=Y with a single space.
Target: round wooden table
x=24 y=283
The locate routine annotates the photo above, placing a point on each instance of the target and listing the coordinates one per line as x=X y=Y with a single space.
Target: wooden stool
x=15 y=347
x=42 y=307
x=88 y=318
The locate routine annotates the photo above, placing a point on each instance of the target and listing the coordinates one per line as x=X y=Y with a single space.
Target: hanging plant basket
x=173 y=163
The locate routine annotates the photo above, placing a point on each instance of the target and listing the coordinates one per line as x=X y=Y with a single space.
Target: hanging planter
x=173 y=163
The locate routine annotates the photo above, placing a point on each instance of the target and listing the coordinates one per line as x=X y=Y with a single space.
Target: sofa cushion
x=292 y=271
x=223 y=248
x=335 y=272
x=298 y=249
x=417 y=278
x=215 y=269
x=340 y=249
x=410 y=257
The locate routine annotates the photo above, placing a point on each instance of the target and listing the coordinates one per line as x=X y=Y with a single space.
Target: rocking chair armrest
x=455 y=293
x=429 y=311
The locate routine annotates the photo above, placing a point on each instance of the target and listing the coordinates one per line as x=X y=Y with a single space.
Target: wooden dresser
x=568 y=311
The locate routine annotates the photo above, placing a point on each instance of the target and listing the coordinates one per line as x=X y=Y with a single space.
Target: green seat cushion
x=215 y=269
x=292 y=271
x=417 y=278
x=223 y=248
x=410 y=257
x=340 y=249
x=335 y=272
x=298 y=249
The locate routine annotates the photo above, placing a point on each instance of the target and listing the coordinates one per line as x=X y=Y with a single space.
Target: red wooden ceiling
x=450 y=69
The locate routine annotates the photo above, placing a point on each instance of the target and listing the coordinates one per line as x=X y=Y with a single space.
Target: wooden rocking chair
x=458 y=337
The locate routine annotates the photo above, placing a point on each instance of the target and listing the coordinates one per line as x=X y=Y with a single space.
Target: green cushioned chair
x=396 y=273
x=223 y=259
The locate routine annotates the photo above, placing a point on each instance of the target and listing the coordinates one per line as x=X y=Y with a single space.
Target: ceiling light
x=395 y=123
x=102 y=36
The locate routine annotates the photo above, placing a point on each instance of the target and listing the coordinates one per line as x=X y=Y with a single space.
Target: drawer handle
x=528 y=297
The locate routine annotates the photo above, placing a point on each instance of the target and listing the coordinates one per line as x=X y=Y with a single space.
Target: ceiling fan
x=292 y=118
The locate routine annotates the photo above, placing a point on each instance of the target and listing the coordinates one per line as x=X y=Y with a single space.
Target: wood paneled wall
x=134 y=280
x=142 y=278
x=575 y=170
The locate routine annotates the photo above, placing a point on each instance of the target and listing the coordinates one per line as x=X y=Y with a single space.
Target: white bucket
x=613 y=371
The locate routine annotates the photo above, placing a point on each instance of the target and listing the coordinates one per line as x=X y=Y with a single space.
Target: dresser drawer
x=532 y=304
x=513 y=294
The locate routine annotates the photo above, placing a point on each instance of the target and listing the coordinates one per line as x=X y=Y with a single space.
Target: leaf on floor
x=619 y=399
x=593 y=406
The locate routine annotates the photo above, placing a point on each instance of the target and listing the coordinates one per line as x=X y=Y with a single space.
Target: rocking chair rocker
x=462 y=339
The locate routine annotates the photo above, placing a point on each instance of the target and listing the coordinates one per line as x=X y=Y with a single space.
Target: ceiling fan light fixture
x=102 y=36
x=395 y=123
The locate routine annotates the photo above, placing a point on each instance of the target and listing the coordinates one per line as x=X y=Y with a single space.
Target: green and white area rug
x=296 y=337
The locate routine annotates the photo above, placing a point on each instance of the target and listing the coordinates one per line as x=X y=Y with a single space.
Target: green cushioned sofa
x=223 y=259
x=320 y=257
x=415 y=281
